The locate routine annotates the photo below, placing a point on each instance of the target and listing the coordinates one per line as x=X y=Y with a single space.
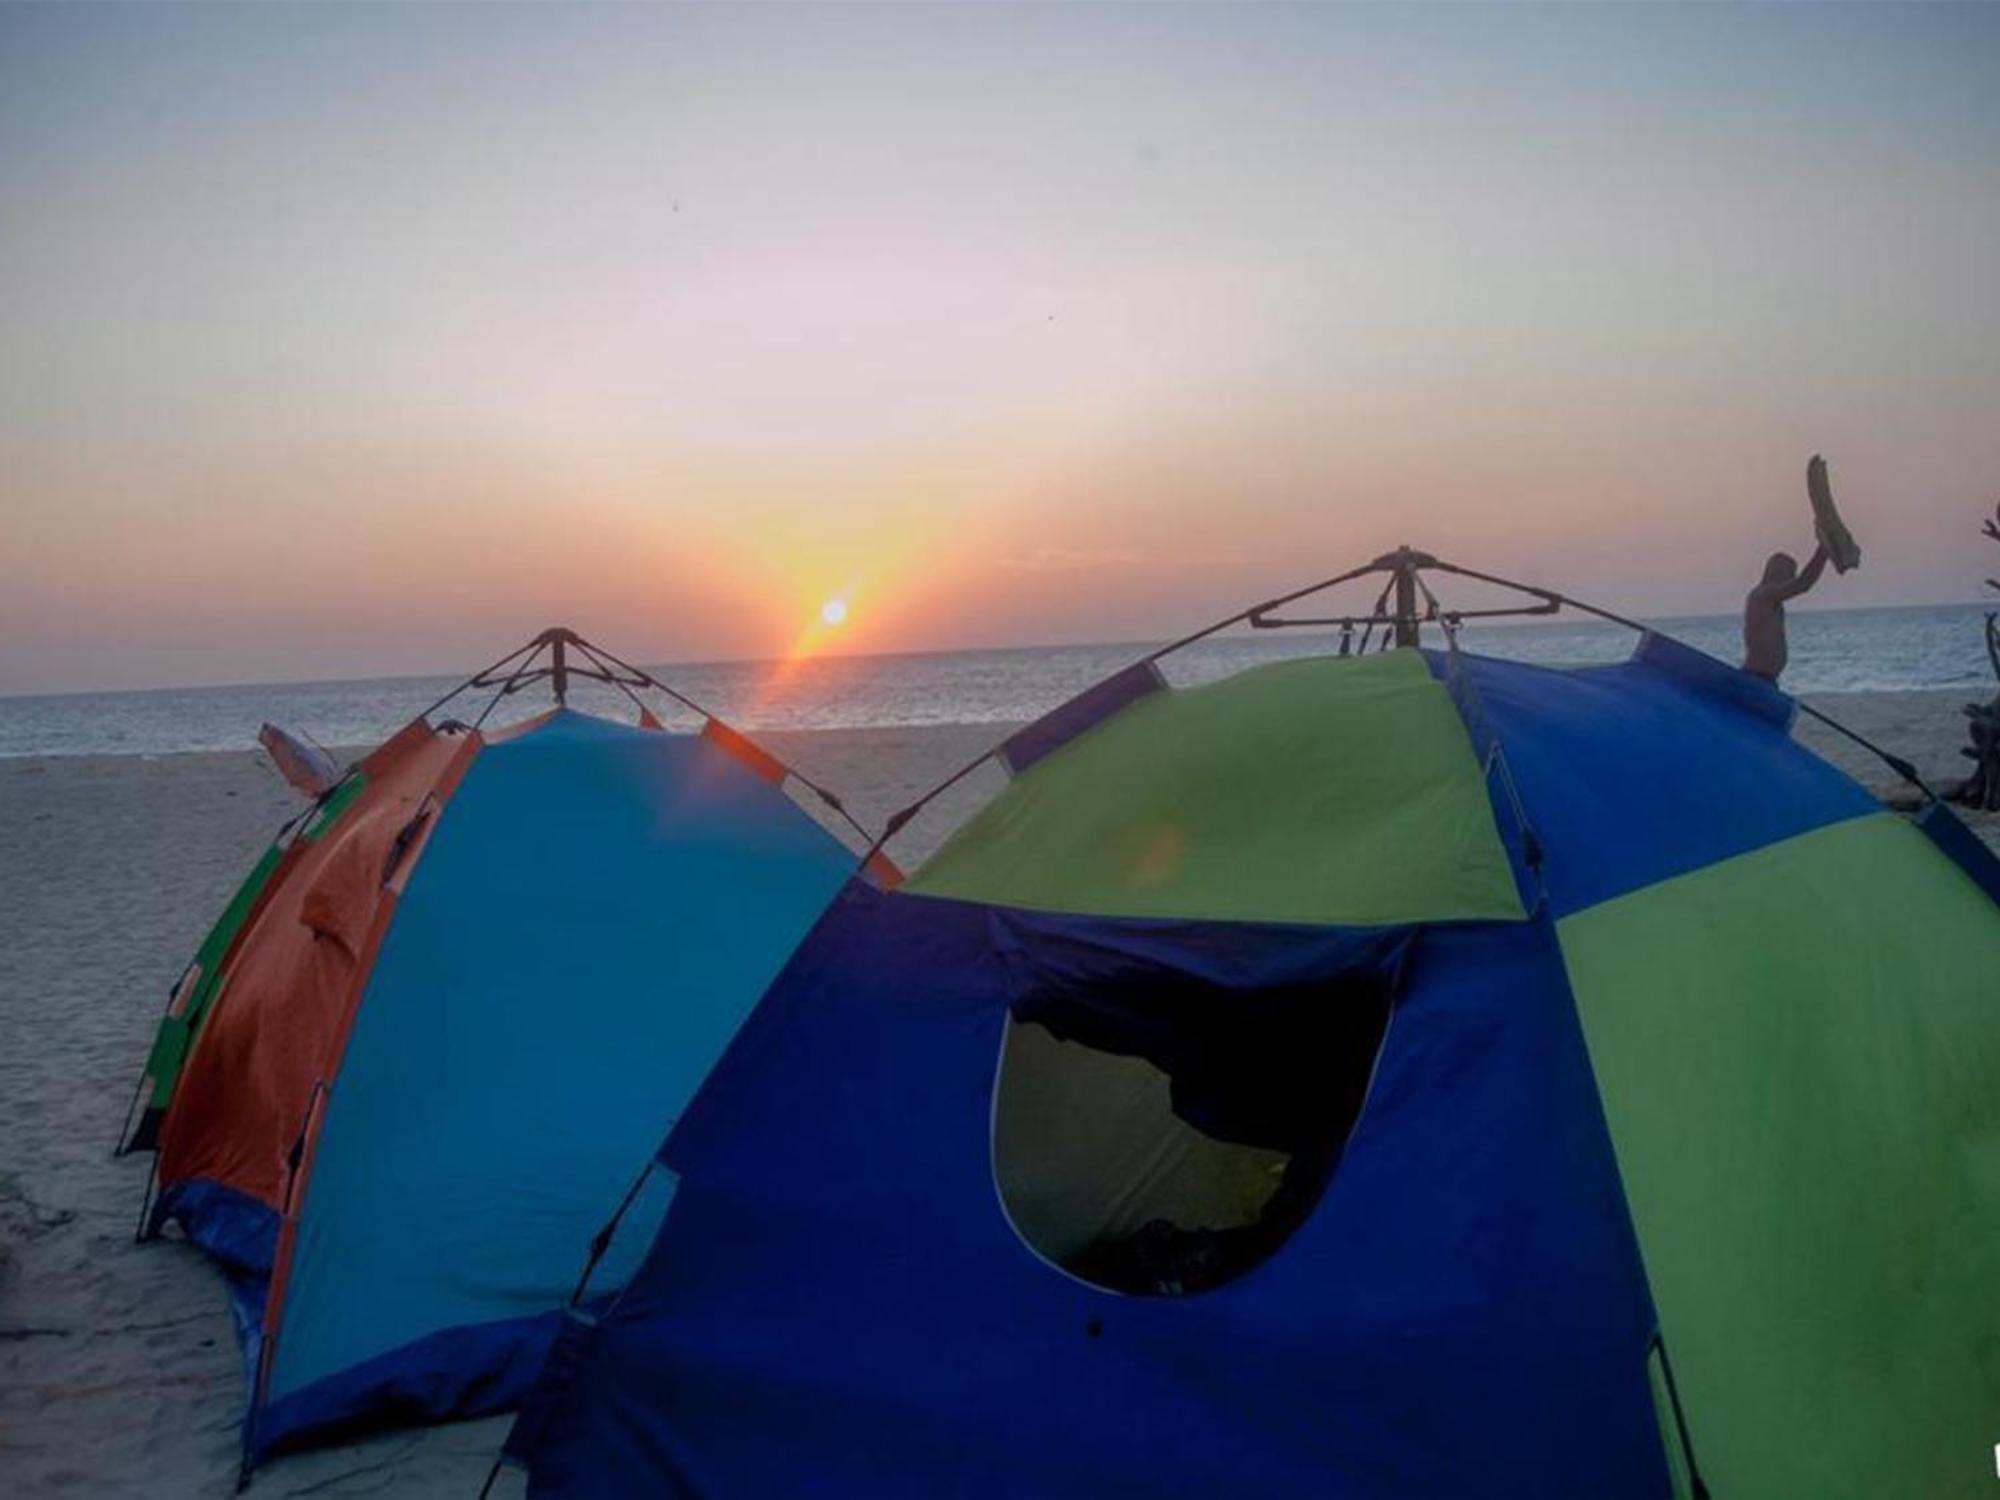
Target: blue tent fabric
x=596 y=911
x=1510 y=817
x=838 y=1305
x=1962 y=847
x=836 y=1302
x=230 y=1227
x=470 y=1371
x=1637 y=772
x=1701 y=673
x=241 y=1236
x=1087 y=709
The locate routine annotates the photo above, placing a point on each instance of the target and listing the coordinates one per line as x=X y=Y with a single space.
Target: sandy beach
x=119 y=1372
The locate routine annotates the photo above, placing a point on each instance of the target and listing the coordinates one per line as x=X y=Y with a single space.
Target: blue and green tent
x=1406 y=1074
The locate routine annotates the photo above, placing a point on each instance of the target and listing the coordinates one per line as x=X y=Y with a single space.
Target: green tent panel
x=1324 y=791
x=1795 y=1048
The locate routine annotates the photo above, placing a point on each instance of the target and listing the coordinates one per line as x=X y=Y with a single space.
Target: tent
x=1399 y=1074
x=444 y=1016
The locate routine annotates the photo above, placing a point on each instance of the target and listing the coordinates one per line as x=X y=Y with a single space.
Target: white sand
x=118 y=1367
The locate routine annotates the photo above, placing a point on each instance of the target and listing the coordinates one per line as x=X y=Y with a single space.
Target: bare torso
x=1764 y=649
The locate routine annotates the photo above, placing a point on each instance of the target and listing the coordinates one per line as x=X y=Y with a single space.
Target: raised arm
x=1805 y=578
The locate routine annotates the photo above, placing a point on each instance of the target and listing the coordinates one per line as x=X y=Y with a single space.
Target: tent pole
x=478 y=679
x=559 y=666
x=1403 y=564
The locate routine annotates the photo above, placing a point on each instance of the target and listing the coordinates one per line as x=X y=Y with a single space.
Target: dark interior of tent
x=1160 y=1134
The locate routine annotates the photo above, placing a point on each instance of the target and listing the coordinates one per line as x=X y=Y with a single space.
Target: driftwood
x=1982 y=788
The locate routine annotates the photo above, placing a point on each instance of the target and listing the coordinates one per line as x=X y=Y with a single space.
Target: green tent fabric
x=1777 y=1038
x=1321 y=791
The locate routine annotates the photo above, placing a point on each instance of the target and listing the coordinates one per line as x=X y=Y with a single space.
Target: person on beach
x=1764 y=647
x=1764 y=650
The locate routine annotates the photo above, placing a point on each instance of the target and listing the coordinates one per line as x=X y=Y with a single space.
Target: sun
x=833 y=612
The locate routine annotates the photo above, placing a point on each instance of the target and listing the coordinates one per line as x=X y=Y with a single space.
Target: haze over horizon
x=1480 y=637
x=352 y=342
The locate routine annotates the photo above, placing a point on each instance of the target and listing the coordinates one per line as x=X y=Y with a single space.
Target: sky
x=360 y=340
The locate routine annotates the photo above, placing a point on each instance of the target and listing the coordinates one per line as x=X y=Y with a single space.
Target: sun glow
x=825 y=623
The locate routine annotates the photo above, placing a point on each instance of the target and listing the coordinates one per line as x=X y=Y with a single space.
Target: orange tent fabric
x=283 y=1009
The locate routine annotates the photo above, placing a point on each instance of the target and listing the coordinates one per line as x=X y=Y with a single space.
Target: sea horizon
x=1870 y=648
x=1135 y=643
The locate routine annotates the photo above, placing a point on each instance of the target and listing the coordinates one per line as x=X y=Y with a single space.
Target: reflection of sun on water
x=809 y=642
x=822 y=626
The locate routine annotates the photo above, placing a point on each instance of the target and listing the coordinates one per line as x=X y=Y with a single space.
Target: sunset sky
x=369 y=340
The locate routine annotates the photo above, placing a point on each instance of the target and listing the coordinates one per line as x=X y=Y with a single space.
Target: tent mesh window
x=1161 y=1135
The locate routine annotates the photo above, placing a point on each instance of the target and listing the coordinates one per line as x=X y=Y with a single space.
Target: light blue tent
x=456 y=1006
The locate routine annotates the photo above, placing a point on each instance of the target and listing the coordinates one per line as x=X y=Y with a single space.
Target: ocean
x=1832 y=651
